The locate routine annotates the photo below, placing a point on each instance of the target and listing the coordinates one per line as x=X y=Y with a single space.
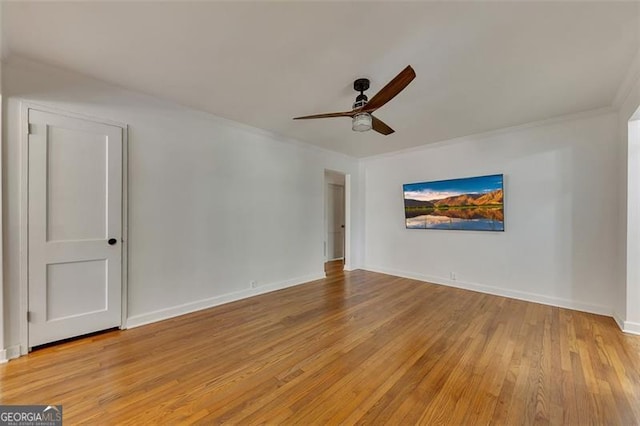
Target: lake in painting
x=474 y=204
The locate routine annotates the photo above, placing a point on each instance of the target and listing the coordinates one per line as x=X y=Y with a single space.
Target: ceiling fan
x=362 y=120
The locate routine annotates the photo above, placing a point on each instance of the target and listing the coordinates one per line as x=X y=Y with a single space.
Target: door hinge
x=30 y=129
x=28 y=316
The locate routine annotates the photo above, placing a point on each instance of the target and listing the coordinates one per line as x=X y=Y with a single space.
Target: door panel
x=76 y=190
x=90 y=297
x=75 y=206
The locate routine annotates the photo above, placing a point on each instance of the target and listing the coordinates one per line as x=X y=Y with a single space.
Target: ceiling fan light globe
x=361 y=122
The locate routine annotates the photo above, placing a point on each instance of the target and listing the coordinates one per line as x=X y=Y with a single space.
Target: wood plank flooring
x=355 y=348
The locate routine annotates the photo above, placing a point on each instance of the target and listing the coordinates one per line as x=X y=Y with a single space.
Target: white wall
x=561 y=206
x=213 y=204
x=628 y=310
x=3 y=354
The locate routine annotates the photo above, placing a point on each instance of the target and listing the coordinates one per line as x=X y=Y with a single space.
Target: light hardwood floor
x=355 y=348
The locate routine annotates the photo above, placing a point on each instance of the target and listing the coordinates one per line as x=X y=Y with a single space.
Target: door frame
x=25 y=106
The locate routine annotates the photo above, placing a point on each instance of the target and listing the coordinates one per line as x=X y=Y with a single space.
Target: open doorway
x=334 y=241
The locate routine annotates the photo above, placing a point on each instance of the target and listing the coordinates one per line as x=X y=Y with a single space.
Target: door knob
x=112 y=241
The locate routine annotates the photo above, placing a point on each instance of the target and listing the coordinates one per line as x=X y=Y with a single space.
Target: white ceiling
x=480 y=65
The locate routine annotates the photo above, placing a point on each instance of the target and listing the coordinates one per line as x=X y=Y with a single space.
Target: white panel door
x=75 y=227
x=335 y=222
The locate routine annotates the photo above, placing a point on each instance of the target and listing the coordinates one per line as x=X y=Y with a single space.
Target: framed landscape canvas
x=474 y=204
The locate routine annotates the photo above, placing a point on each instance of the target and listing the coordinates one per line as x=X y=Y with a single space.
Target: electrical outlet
x=452 y=275
x=253 y=284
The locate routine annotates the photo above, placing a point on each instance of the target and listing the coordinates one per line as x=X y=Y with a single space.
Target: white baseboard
x=186 y=308
x=10 y=353
x=626 y=326
x=631 y=327
x=497 y=291
x=349 y=266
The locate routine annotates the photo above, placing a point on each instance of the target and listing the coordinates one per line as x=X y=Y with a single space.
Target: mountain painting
x=473 y=204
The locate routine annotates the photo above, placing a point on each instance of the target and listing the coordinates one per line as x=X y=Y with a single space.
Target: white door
x=75 y=227
x=335 y=222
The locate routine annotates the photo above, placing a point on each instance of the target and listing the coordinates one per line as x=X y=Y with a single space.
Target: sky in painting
x=427 y=191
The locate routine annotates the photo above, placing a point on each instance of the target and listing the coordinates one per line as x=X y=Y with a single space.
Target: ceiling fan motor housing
x=361 y=101
x=360 y=85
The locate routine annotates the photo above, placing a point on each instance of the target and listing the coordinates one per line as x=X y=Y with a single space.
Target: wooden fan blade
x=380 y=126
x=327 y=115
x=392 y=88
